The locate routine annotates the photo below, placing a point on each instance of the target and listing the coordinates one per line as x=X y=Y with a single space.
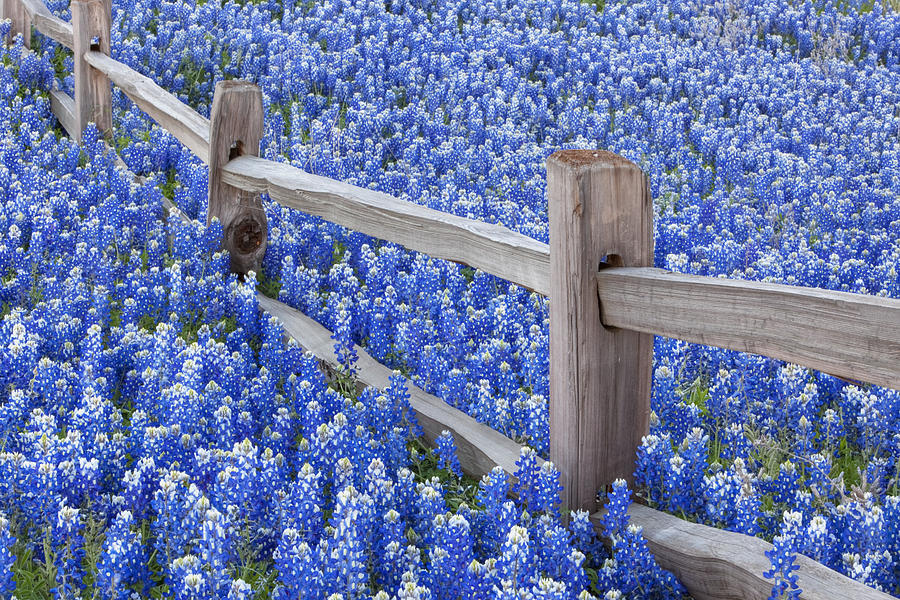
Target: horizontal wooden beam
x=491 y=248
x=480 y=448
x=49 y=24
x=63 y=106
x=714 y=564
x=179 y=119
x=847 y=335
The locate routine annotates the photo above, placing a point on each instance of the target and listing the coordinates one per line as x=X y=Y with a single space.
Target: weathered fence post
x=93 y=95
x=15 y=11
x=25 y=23
x=235 y=129
x=600 y=208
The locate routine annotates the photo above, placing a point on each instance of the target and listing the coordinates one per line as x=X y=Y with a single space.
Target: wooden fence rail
x=45 y=22
x=714 y=564
x=601 y=319
x=491 y=248
x=187 y=125
x=849 y=335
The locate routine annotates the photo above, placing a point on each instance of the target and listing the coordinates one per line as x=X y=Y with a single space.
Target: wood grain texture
x=93 y=95
x=23 y=24
x=47 y=23
x=480 y=448
x=491 y=248
x=599 y=206
x=63 y=106
x=236 y=127
x=183 y=122
x=721 y=565
x=848 y=335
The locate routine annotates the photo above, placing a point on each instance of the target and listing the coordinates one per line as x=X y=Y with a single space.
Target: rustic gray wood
x=47 y=23
x=721 y=565
x=491 y=248
x=63 y=106
x=23 y=25
x=93 y=94
x=599 y=205
x=188 y=126
x=480 y=448
x=848 y=335
x=236 y=127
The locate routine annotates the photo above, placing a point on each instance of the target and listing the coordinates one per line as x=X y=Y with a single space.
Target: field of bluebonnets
x=160 y=438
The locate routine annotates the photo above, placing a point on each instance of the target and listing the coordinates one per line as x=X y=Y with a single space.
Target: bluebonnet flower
x=299 y=566
x=653 y=458
x=346 y=570
x=398 y=394
x=450 y=556
x=187 y=579
x=344 y=347
x=123 y=561
x=68 y=551
x=517 y=565
x=584 y=538
x=732 y=501
x=429 y=503
x=547 y=589
x=239 y=590
x=631 y=566
x=527 y=474
x=214 y=549
x=783 y=557
x=302 y=508
x=7 y=559
x=446 y=451
x=393 y=547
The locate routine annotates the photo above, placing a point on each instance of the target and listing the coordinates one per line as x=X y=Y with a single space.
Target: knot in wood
x=247 y=235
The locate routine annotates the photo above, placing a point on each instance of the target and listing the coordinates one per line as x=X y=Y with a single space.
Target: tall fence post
x=93 y=96
x=25 y=23
x=236 y=126
x=15 y=11
x=600 y=210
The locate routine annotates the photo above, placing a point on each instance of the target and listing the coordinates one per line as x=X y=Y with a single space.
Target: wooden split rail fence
x=606 y=299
